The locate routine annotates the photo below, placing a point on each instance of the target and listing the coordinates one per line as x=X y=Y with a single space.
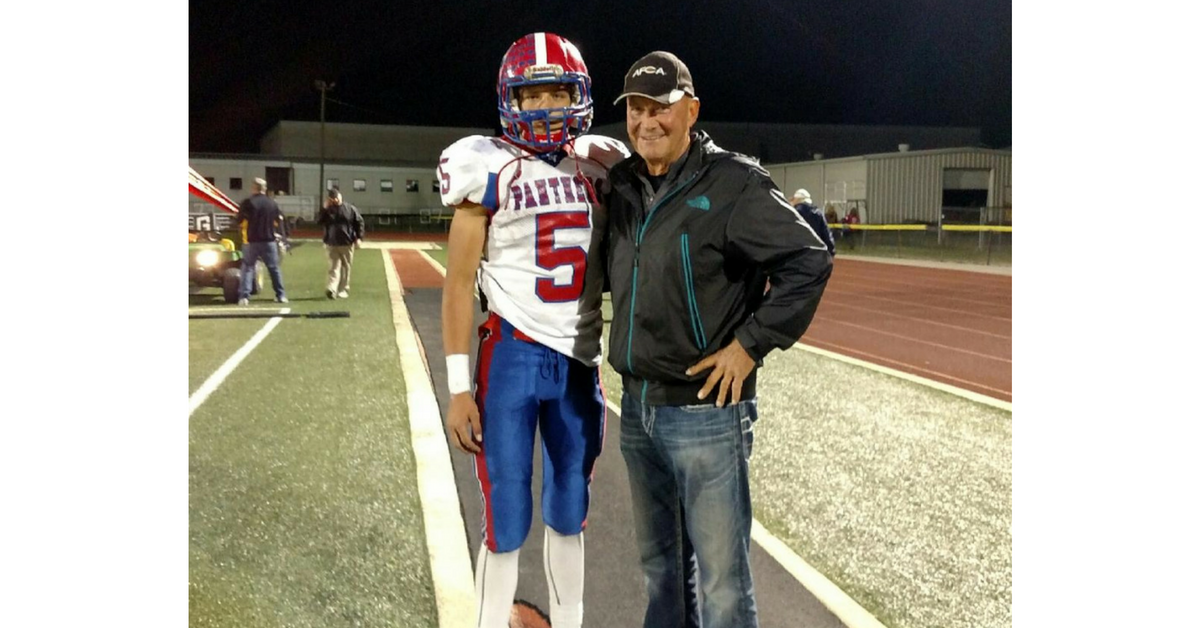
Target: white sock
x=495 y=587
x=563 y=557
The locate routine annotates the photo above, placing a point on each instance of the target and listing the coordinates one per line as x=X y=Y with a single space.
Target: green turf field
x=303 y=507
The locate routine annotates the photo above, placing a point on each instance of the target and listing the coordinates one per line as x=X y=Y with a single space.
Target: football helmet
x=539 y=59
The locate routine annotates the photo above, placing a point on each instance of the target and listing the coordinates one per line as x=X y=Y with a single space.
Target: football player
x=527 y=227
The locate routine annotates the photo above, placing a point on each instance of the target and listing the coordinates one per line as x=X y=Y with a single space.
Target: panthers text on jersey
x=539 y=269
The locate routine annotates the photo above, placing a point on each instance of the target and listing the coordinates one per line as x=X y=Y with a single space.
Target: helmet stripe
x=539 y=44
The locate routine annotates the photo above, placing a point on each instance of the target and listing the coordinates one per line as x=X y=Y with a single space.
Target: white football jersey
x=540 y=269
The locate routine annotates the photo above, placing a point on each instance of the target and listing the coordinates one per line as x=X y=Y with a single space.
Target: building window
x=212 y=180
x=434 y=185
x=411 y=185
x=385 y=185
x=332 y=183
x=235 y=183
x=360 y=185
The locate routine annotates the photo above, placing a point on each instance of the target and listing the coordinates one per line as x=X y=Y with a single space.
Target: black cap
x=659 y=76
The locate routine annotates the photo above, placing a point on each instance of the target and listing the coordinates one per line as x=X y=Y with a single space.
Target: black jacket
x=688 y=266
x=261 y=215
x=343 y=224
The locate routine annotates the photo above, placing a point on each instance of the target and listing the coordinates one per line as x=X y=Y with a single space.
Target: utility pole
x=324 y=87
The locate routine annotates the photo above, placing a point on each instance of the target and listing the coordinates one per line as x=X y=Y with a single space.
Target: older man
x=694 y=234
x=802 y=201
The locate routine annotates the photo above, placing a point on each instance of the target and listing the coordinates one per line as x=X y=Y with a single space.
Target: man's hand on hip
x=730 y=368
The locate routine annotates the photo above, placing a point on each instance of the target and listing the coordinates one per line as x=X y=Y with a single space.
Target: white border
x=966 y=394
x=445 y=531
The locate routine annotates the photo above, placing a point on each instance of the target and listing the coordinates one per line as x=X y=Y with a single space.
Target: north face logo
x=648 y=69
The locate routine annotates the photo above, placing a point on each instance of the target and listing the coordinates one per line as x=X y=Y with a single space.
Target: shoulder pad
x=602 y=149
x=465 y=165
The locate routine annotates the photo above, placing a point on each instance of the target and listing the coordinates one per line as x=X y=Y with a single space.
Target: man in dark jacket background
x=802 y=201
x=694 y=234
x=260 y=217
x=344 y=229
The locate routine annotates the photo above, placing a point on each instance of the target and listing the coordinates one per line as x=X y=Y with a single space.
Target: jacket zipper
x=690 y=289
x=637 y=253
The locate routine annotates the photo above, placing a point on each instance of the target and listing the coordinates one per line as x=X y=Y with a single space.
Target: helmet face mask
x=544 y=59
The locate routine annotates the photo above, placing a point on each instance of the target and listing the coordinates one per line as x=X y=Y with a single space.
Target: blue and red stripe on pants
x=523 y=386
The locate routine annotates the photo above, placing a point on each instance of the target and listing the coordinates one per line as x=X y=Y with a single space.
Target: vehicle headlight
x=207 y=258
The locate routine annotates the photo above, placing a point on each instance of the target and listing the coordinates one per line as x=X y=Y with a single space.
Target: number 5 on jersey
x=549 y=257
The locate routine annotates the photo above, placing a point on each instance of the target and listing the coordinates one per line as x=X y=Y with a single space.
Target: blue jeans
x=269 y=252
x=688 y=476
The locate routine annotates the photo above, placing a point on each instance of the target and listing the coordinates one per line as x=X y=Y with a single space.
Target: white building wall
x=823 y=180
x=306 y=185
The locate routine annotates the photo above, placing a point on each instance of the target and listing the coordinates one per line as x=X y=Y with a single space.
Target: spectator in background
x=831 y=217
x=850 y=219
x=802 y=201
x=344 y=229
x=259 y=217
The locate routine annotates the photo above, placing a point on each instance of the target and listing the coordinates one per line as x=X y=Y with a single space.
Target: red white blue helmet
x=538 y=59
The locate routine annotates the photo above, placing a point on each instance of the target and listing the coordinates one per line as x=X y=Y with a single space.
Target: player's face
x=658 y=132
x=549 y=96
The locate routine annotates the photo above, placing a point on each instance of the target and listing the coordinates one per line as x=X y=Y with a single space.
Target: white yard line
x=445 y=531
x=234 y=360
x=837 y=601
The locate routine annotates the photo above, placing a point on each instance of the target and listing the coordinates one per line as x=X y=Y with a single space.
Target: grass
x=302 y=485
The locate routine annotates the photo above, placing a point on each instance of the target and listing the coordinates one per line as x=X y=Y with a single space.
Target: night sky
x=899 y=62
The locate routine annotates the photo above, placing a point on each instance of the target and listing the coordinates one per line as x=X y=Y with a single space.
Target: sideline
x=445 y=531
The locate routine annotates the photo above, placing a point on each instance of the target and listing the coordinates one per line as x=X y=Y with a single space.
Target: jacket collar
x=700 y=153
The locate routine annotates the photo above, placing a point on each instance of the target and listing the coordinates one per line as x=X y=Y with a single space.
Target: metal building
x=906 y=186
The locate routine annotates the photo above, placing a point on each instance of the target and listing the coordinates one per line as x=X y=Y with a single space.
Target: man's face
x=658 y=132
x=547 y=96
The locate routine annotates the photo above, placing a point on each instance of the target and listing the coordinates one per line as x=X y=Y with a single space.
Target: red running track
x=951 y=326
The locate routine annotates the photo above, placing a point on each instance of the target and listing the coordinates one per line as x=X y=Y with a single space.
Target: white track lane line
x=827 y=302
x=432 y=262
x=445 y=531
x=914 y=339
x=234 y=360
x=837 y=601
